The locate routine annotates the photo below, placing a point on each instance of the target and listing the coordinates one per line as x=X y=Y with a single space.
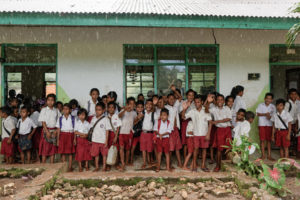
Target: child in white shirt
x=243 y=128
x=91 y=104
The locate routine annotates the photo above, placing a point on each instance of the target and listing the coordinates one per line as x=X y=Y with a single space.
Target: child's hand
x=75 y=142
x=115 y=140
x=140 y=115
x=288 y=137
x=207 y=137
x=9 y=140
x=48 y=135
x=155 y=101
x=210 y=98
x=273 y=138
x=106 y=144
x=268 y=116
x=185 y=105
x=172 y=87
x=29 y=137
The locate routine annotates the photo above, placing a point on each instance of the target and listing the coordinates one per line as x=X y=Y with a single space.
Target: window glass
x=283 y=54
x=171 y=55
x=202 y=78
x=50 y=76
x=139 y=54
x=202 y=55
x=17 y=86
x=11 y=76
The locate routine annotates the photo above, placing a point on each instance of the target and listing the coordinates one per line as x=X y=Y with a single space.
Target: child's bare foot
x=103 y=169
x=170 y=169
x=129 y=164
x=157 y=169
x=87 y=169
x=185 y=168
x=96 y=169
x=211 y=162
x=180 y=166
x=122 y=168
x=143 y=166
x=270 y=158
x=217 y=169
x=118 y=167
x=80 y=169
x=205 y=169
x=70 y=169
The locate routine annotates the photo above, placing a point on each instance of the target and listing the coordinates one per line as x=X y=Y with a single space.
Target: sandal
x=205 y=169
x=217 y=169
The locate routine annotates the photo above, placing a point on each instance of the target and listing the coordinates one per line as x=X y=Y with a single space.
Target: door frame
x=3 y=65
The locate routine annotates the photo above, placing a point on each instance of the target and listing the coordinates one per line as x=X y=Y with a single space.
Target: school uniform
x=239 y=103
x=190 y=138
x=99 y=136
x=264 y=124
x=91 y=109
x=292 y=108
x=175 y=142
x=162 y=145
x=49 y=116
x=25 y=127
x=36 y=138
x=116 y=122
x=8 y=125
x=126 y=135
x=213 y=128
x=137 y=130
x=83 y=147
x=200 y=121
x=242 y=129
x=74 y=113
x=281 y=130
x=66 y=135
x=223 y=130
x=146 y=138
x=185 y=122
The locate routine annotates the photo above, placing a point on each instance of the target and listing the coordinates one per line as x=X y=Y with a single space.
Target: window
x=157 y=67
x=14 y=82
x=50 y=83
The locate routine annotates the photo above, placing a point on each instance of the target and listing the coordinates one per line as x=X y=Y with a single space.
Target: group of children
x=158 y=125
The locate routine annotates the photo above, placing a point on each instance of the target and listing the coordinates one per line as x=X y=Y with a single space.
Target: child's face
x=251 y=120
x=111 y=109
x=74 y=106
x=110 y=99
x=293 y=96
x=24 y=113
x=220 y=101
x=230 y=102
x=50 y=102
x=280 y=107
x=82 y=116
x=3 y=115
x=268 y=100
x=163 y=116
x=15 y=113
x=241 y=93
x=141 y=98
x=139 y=108
x=171 y=100
x=165 y=99
x=66 y=110
x=99 y=111
x=190 y=96
x=160 y=103
x=14 y=103
x=240 y=116
x=94 y=95
x=131 y=105
x=149 y=106
x=104 y=100
x=59 y=107
x=198 y=103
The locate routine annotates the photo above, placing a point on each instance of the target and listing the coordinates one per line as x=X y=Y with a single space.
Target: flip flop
x=217 y=169
x=205 y=169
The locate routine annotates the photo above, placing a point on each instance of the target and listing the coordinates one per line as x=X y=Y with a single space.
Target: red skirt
x=45 y=148
x=66 y=143
x=37 y=138
x=212 y=139
x=184 y=124
x=222 y=138
x=83 y=150
x=7 y=149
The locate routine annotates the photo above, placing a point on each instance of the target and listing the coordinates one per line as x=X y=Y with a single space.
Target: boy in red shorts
x=8 y=131
x=264 y=112
x=201 y=119
x=163 y=129
x=282 y=126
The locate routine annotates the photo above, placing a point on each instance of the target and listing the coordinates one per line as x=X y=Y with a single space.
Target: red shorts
x=66 y=143
x=201 y=142
x=184 y=124
x=190 y=144
x=265 y=133
x=111 y=137
x=83 y=149
x=37 y=138
x=212 y=139
x=175 y=142
x=222 y=138
x=125 y=140
x=281 y=140
x=98 y=148
x=146 y=142
x=45 y=148
x=7 y=149
x=162 y=145
x=135 y=141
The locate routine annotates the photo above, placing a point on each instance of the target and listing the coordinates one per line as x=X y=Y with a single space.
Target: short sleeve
x=18 y=123
x=42 y=117
x=208 y=117
x=76 y=128
x=11 y=124
x=189 y=114
x=155 y=128
x=273 y=117
x=119 y=122
x=289 y=117
x=32 y=124
x=258 y=109
x=169 y=129
x=228 y=113
x=107 y=124
x=57 y=123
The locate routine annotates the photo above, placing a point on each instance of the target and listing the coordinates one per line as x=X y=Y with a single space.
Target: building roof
x=221 y=8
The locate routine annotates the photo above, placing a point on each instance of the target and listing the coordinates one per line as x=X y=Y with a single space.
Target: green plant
x=295 y=29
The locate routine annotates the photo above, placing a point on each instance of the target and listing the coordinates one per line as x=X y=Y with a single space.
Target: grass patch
x=18 y=172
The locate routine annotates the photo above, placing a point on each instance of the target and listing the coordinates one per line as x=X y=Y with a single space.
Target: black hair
x=112 y=94
x=170 y=94
x=279 y=101
x=36 y=107
x=249 y=115
x=101 y=104
x=269 y=94
x=25 y=108
x=242 y=110
x=139 y=103
x=112 y=103
x=228 y=97
x=150 y=100
x=12 y=93
x=83 y=110
x=130 y=99
x=156 y=96
x=198 y=96
x=94 y=90
x=220 y=95
x=13 y=99
x=104 y=96
x=14 y=108
x=190 y=90
x=51 y=96
x=178 y=90
x=164 y=110
x=73 y=102
x=140 y=95
x=59 y=102
x=236 y=90
x=7 y=110
x=67 y=105
x=290 y=91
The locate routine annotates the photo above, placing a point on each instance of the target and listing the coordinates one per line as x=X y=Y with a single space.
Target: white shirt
x=189 y=128
x=35 y=118
x=49 y=116
x=177 y=104
x=164 y=128
x=82 y=127
x=285 y=116
x=294 y=109
x=74 y=112
x=14 y=119
x=200 y=121
x=157 y=113
x=127 y=122
x=91 y=107
x=242 y=129
x=263 y=108
x=99 y=134
x=9 y=124
x=66 y=124
x=115 y=120
x=147 y=123
x=238 y=104
x=25 y=126
x=220 y=114
x=173 y=115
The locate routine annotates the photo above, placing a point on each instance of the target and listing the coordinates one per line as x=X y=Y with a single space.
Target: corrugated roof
x=234 y=8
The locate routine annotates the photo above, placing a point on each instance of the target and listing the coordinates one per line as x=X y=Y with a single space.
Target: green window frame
x=146 y=61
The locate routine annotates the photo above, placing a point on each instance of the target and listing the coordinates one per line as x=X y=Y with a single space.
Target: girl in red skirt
x=65 y=128
x=83 y=147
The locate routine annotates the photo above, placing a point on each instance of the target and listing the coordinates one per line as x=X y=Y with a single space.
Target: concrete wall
x=93 y=56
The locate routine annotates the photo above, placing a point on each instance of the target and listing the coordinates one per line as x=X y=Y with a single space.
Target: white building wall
x=93 y=56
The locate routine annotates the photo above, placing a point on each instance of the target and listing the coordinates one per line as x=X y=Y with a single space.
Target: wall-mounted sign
x=253 y=76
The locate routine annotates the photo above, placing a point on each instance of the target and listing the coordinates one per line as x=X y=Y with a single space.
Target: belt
x=66 y=132
x=281 y=129
x=147 y=131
